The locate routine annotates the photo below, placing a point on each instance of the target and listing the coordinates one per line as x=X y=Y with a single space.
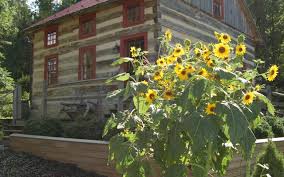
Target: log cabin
x=73 y=49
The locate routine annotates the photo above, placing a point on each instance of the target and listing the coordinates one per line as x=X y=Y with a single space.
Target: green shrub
x=277 y=125
x=271 y=158
x=264 y=130
x=82 y=129
x=44 y=127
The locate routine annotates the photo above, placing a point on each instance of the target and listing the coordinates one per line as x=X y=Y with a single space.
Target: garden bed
x=92 y=155
x=25 y=165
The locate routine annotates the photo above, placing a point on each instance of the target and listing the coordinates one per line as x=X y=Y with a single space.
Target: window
x=51 y=36
x=87 y=63
x=218 y=9
x=138 y=41
x=133 y=12
x=87 y=25
x=51 y=69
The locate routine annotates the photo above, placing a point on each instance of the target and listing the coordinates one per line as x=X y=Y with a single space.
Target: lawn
x=14 y=164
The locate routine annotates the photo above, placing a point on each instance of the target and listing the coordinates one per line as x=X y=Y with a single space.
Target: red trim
x=221 y=3
x=55 y=56
x=128 y=3
x=48 y=30
x=81 y=52
x=125 y=39
x=84 y=18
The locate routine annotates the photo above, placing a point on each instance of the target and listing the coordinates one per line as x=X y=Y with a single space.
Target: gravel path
x=24 y=165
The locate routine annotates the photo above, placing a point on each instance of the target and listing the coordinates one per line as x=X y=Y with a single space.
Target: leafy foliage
x=44 y=127
x=271 y=162
x=195 y=108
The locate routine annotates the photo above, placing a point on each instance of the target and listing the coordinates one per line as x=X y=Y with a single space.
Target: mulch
x=14 y=164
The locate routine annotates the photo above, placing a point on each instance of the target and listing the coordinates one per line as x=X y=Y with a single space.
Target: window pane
x=87 y=27
x=133 y=14
x=51 y=38
x=87 y=65
x=52 y=71
x=137 y=43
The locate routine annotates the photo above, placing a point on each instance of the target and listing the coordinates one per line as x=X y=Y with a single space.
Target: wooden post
x=44 y=99
x=17 y=104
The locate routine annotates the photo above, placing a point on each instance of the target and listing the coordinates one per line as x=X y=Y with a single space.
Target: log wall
x=92 y=155
x=109 y=31
x=188 y=22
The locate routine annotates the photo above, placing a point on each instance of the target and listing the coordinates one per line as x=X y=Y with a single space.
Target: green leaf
x=119 y=77
x=141 y=104
x=200 y=129
x=115 y=94
x=238 y=125
x=198 y=89
x=177 y=170
x=121 y=61
x=225 y=74
x=263 y=98
x=241 y=38
x=111 y=124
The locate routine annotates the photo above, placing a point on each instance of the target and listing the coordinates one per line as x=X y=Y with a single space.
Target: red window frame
x=81 y=60
x=49 y=30
x=129 y=3
x=221 y=4
x=83 y=19
x=47 y=58
x=123 y=44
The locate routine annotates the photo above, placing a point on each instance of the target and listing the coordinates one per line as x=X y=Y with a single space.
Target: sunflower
x=206 y=53
x=133 y=52
x=178 y=51
x=241 y=49
x=210 y=109
x=257 y=87
x=145 y=82
x=217 y=35
x=168 y=35
x=225 y=38
x=272 y=73
x=197 y=52
x=189 y=68
x=183 y=74
x=158 y=75
x=222 y=50
x=168 y=95
x=161 y=62
x=171 y=59
x=210 y=63
x=151 y=95
x=203 y=72
x=248 y=98
x=178 y=67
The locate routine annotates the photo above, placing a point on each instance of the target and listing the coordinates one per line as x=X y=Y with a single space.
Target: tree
x=7 y=27
x=269 y=16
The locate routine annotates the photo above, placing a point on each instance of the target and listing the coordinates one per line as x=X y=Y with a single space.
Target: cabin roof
x=83 y=4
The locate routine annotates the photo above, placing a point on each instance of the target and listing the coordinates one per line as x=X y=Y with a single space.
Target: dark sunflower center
x=151 y=96
x=211 y=109
x=169 y=93
x=179 y=60
x=178 y=50
x=183 y=72
x=240 y=49
x=198 y=54
x=157 y=74
x=247 y=97
x=161 y=62
x=225 y=37
x=222 y=49
x=272 y=72
x=201 y=73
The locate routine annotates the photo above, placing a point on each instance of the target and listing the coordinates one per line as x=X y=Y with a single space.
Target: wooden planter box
x=92 y=155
